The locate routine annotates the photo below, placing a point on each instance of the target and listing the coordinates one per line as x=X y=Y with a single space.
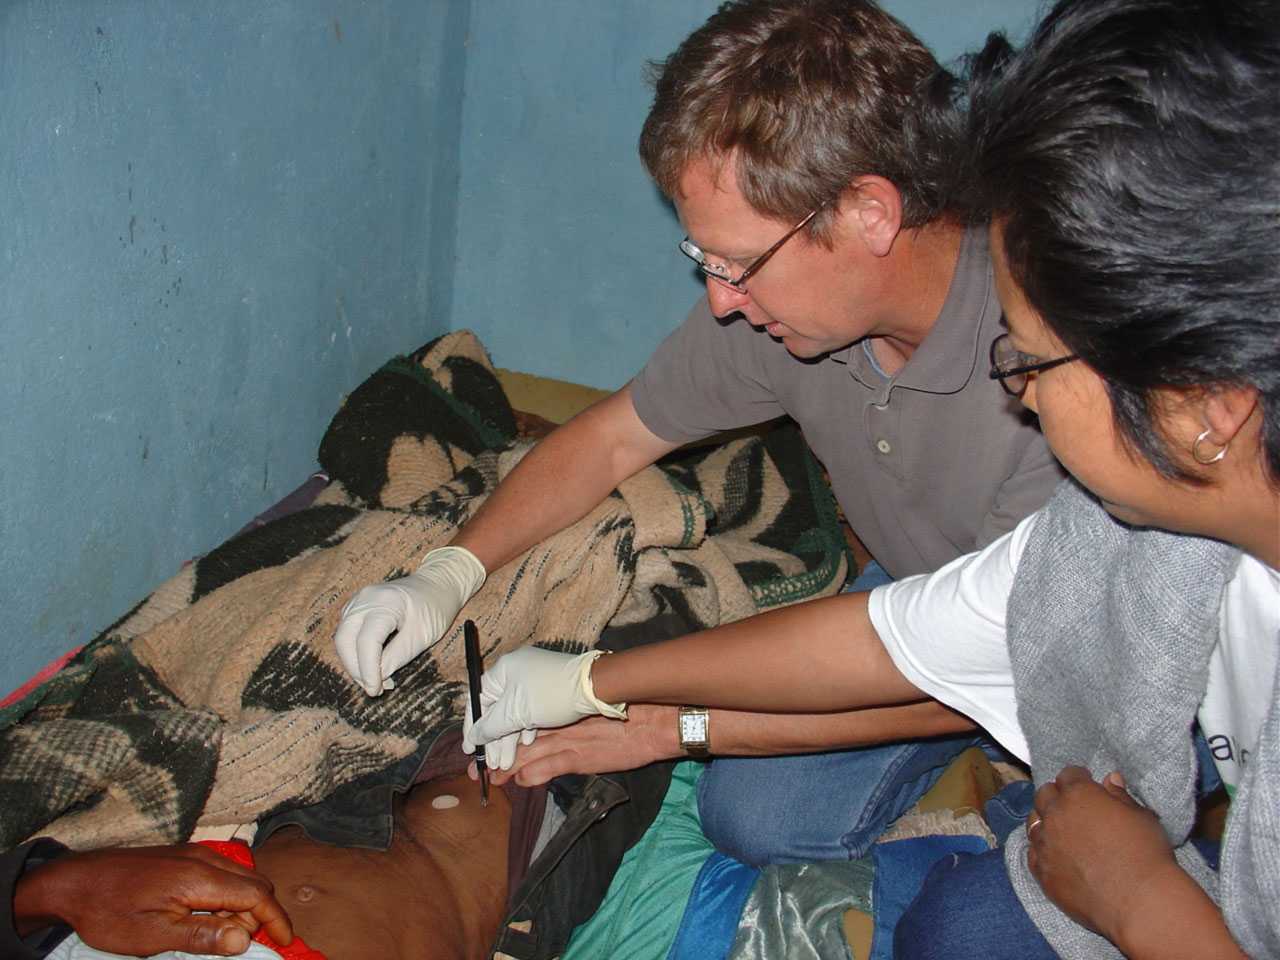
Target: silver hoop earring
x=1200 y=457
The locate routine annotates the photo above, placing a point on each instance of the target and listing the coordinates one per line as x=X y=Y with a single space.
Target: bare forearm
x=741 y=733
x=561 y=479
x=597 y=745
x=820 y=656
x=745 y=734
x=1177 y=920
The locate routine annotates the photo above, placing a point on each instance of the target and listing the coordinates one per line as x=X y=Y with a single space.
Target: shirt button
x=883 y=446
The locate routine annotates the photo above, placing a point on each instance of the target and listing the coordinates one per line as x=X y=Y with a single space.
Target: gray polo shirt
x=929 y=464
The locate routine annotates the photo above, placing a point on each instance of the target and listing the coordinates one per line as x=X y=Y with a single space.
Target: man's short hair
x=1132 y=151
x=807 y=95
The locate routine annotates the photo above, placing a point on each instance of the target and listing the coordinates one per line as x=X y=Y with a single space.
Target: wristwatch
x=694 y=727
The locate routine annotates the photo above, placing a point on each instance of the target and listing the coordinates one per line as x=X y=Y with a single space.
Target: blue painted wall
x=567 y=255
x=215 y=219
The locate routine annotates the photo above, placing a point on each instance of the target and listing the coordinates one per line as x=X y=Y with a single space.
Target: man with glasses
x=794 y=139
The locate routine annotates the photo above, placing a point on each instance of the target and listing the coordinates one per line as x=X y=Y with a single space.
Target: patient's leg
x=438 y=893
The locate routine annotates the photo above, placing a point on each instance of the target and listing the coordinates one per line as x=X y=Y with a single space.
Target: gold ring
x=1032 y=825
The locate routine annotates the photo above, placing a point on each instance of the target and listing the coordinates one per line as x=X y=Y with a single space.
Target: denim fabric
x=900 y=869
x=1207 y=778
x=967 y=907
x=1009 y=808
x=967 y=910
x=1012 y=805
x=873 y=575
x=359 y=813
x=822 y=806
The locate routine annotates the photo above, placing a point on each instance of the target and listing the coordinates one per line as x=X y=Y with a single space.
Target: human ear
x=874 y=208
x=1213 y=417
x=1226 y=410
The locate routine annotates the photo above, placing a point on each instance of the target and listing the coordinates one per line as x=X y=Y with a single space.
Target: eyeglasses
x=719 y=272
x=1012 y=367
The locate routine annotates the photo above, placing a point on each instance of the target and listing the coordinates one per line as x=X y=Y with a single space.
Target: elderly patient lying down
x=446 y=872
x=220 y=700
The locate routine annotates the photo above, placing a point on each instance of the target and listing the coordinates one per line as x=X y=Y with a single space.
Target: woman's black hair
x=1132 y=152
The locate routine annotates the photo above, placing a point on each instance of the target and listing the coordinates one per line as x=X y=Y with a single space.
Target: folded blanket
x=220 y=698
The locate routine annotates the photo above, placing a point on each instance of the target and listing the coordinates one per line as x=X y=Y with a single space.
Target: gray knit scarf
x=1110 y=632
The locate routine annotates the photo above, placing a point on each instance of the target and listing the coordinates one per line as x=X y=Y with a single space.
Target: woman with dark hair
x=1129 y=159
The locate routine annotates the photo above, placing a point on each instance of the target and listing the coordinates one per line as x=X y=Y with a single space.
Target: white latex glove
x=530 y=689
x=499 y=754
x=420 y=606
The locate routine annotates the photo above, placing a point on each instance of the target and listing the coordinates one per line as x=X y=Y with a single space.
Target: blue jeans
x=821 y=806
x=967 y=909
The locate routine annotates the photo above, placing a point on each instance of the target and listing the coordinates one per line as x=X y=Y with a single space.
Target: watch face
x=693 y=727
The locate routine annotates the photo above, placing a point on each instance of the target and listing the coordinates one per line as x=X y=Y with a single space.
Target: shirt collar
x=947 y=359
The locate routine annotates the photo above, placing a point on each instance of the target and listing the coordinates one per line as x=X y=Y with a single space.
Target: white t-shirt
x=946 y=634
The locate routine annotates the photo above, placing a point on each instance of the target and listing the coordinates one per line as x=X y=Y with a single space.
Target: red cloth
x=241 y=854
x=47 y=672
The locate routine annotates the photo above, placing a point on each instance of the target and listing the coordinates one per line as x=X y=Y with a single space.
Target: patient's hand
x=595 y=745
x=145 y=900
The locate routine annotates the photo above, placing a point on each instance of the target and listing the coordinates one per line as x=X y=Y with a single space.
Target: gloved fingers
x=367 y=620
x=528 y=736
x=468 y=745
x=344 y=640
x=500 y=754
x=487 y=728
x=400 y=650
x=490 y=727
x=493 y=755
x=529 y=688
x=493 y=684
x=377 y=626
x=473 y=735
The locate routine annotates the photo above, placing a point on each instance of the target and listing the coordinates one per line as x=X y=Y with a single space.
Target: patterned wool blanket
x=220 y=699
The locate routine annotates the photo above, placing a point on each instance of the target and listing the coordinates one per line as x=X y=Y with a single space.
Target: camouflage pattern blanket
x=219 y=699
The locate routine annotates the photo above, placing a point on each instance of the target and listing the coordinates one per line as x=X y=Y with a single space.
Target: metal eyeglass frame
x=694 y=253
x=1001 y=374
